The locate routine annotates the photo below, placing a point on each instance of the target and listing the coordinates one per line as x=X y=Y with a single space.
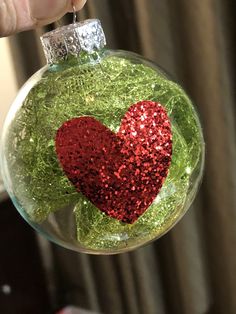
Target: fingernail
x=48 y=9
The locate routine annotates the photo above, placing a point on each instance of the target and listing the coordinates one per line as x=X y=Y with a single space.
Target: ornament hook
x=75 y=17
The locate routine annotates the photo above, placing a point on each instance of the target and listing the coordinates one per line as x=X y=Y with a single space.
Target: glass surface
x=102 y=86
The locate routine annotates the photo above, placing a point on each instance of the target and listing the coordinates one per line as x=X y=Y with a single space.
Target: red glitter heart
x=122 y=173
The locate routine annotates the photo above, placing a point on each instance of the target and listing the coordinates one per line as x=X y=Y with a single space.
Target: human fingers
x=20 y=15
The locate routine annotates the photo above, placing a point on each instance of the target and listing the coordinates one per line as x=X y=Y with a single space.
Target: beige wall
x=8 y=84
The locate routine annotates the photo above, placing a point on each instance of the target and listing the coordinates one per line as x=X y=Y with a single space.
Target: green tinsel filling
x=104 y=91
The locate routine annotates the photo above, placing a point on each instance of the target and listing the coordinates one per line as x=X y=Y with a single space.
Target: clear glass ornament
x=56 y=161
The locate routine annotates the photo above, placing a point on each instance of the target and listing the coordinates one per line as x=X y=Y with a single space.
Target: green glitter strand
x=105 y=91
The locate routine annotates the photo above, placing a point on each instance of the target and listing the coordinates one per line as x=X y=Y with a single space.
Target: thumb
x=19 y=15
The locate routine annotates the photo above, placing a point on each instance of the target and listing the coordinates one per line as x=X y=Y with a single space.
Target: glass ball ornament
x=101 y=152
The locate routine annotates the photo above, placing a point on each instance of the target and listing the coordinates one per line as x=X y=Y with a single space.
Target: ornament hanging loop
x=75 y=17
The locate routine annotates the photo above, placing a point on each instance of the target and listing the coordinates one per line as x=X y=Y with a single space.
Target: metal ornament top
x=72 y=39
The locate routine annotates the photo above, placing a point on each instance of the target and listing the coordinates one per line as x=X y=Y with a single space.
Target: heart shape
x=120 y=173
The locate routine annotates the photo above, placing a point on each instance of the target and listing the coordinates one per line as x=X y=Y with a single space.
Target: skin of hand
x=20 y=15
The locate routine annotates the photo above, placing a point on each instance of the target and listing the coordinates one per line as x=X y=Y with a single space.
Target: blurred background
x=192 y=269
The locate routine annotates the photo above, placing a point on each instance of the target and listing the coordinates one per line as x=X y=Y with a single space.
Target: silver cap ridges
x=72 y=39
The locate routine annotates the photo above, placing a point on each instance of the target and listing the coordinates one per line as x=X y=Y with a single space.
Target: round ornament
x=100 y=152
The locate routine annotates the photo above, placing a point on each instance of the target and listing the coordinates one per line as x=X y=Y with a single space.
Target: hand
x=20 y=15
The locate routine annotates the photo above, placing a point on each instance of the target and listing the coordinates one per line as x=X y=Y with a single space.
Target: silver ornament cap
x=71 y=39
